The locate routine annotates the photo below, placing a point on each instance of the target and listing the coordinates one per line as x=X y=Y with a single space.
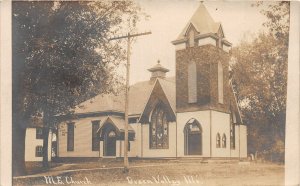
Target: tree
x=61 y=57
x=260 y=81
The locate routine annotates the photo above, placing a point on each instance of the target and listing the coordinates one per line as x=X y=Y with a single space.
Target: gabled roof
x=102 y=103
x=202 y=22
x=163 y=92
x=139 y=95
x=117 y=122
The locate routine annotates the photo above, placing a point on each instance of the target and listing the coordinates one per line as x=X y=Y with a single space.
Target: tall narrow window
x=218 y=141
x=191 y=38
x=224 y=141
x=192 y=82
x=232 y=130
x=70 y=137
x=220 y=83
x=159 y=129
x=39 y=151
x=39 y=133
x=95 y=139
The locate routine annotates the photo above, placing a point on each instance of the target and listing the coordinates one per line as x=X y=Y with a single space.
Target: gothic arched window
x=192 y=82
x=159 y=128
x=220 y=82
x=224 y=141
x=218 y=141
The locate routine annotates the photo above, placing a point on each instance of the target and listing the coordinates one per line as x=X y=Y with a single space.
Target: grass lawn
x=164 y=173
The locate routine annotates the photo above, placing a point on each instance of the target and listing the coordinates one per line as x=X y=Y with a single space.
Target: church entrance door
x=110 y=143
x=193 y=138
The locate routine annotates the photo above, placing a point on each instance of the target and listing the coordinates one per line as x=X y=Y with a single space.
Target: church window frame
x=220 y=83
x=95 y=137
x=70 y=136
x=39 y=151
x=39 y=133
x=218 y=140
x=224 y=141
x=192 y=82
x=159 y=128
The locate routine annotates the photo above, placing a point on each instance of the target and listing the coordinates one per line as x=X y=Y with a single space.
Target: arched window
x=218 y=141
x=220 y=82
x=224 y=141
x=192 y=82
x=191 y=38
x=159 y=128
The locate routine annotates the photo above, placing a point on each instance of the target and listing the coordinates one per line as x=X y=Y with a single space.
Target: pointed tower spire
x=200 y=30
x=201 y=21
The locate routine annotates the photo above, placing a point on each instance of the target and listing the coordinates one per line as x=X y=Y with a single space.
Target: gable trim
x=191 y=26
x=222 y=31
x=168 y=101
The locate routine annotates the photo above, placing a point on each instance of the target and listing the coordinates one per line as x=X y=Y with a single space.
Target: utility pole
x=128 y=36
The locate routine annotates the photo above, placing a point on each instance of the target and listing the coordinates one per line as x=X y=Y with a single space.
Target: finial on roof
x=158 y=71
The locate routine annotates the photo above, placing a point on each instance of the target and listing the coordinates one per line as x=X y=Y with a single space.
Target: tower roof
x=158 y=67
x=202 y=22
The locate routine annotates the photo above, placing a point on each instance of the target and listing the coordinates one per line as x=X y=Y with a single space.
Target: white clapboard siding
x=31 y=143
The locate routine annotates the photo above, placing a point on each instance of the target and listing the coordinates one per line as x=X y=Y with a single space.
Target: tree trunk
x=18 y=150
x=45 y=146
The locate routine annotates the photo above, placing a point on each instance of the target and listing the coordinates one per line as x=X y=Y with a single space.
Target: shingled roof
x=139 y=94
x=202 y=22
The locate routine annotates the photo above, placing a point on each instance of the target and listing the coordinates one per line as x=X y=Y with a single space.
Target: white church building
x=194 y=114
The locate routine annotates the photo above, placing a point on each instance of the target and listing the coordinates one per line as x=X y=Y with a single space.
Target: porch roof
x=117 y=122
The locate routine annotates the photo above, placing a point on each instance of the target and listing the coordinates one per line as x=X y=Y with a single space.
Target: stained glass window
x=159 y=129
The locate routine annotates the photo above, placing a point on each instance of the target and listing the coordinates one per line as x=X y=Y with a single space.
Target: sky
x=167 y=20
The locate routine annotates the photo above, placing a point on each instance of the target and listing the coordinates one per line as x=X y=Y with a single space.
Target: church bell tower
x=202 y=60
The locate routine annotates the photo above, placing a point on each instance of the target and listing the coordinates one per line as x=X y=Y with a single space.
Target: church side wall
x=220 y=124
x=82 y=139
x=203 y=117
x=135 y=145
x=156 y=153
